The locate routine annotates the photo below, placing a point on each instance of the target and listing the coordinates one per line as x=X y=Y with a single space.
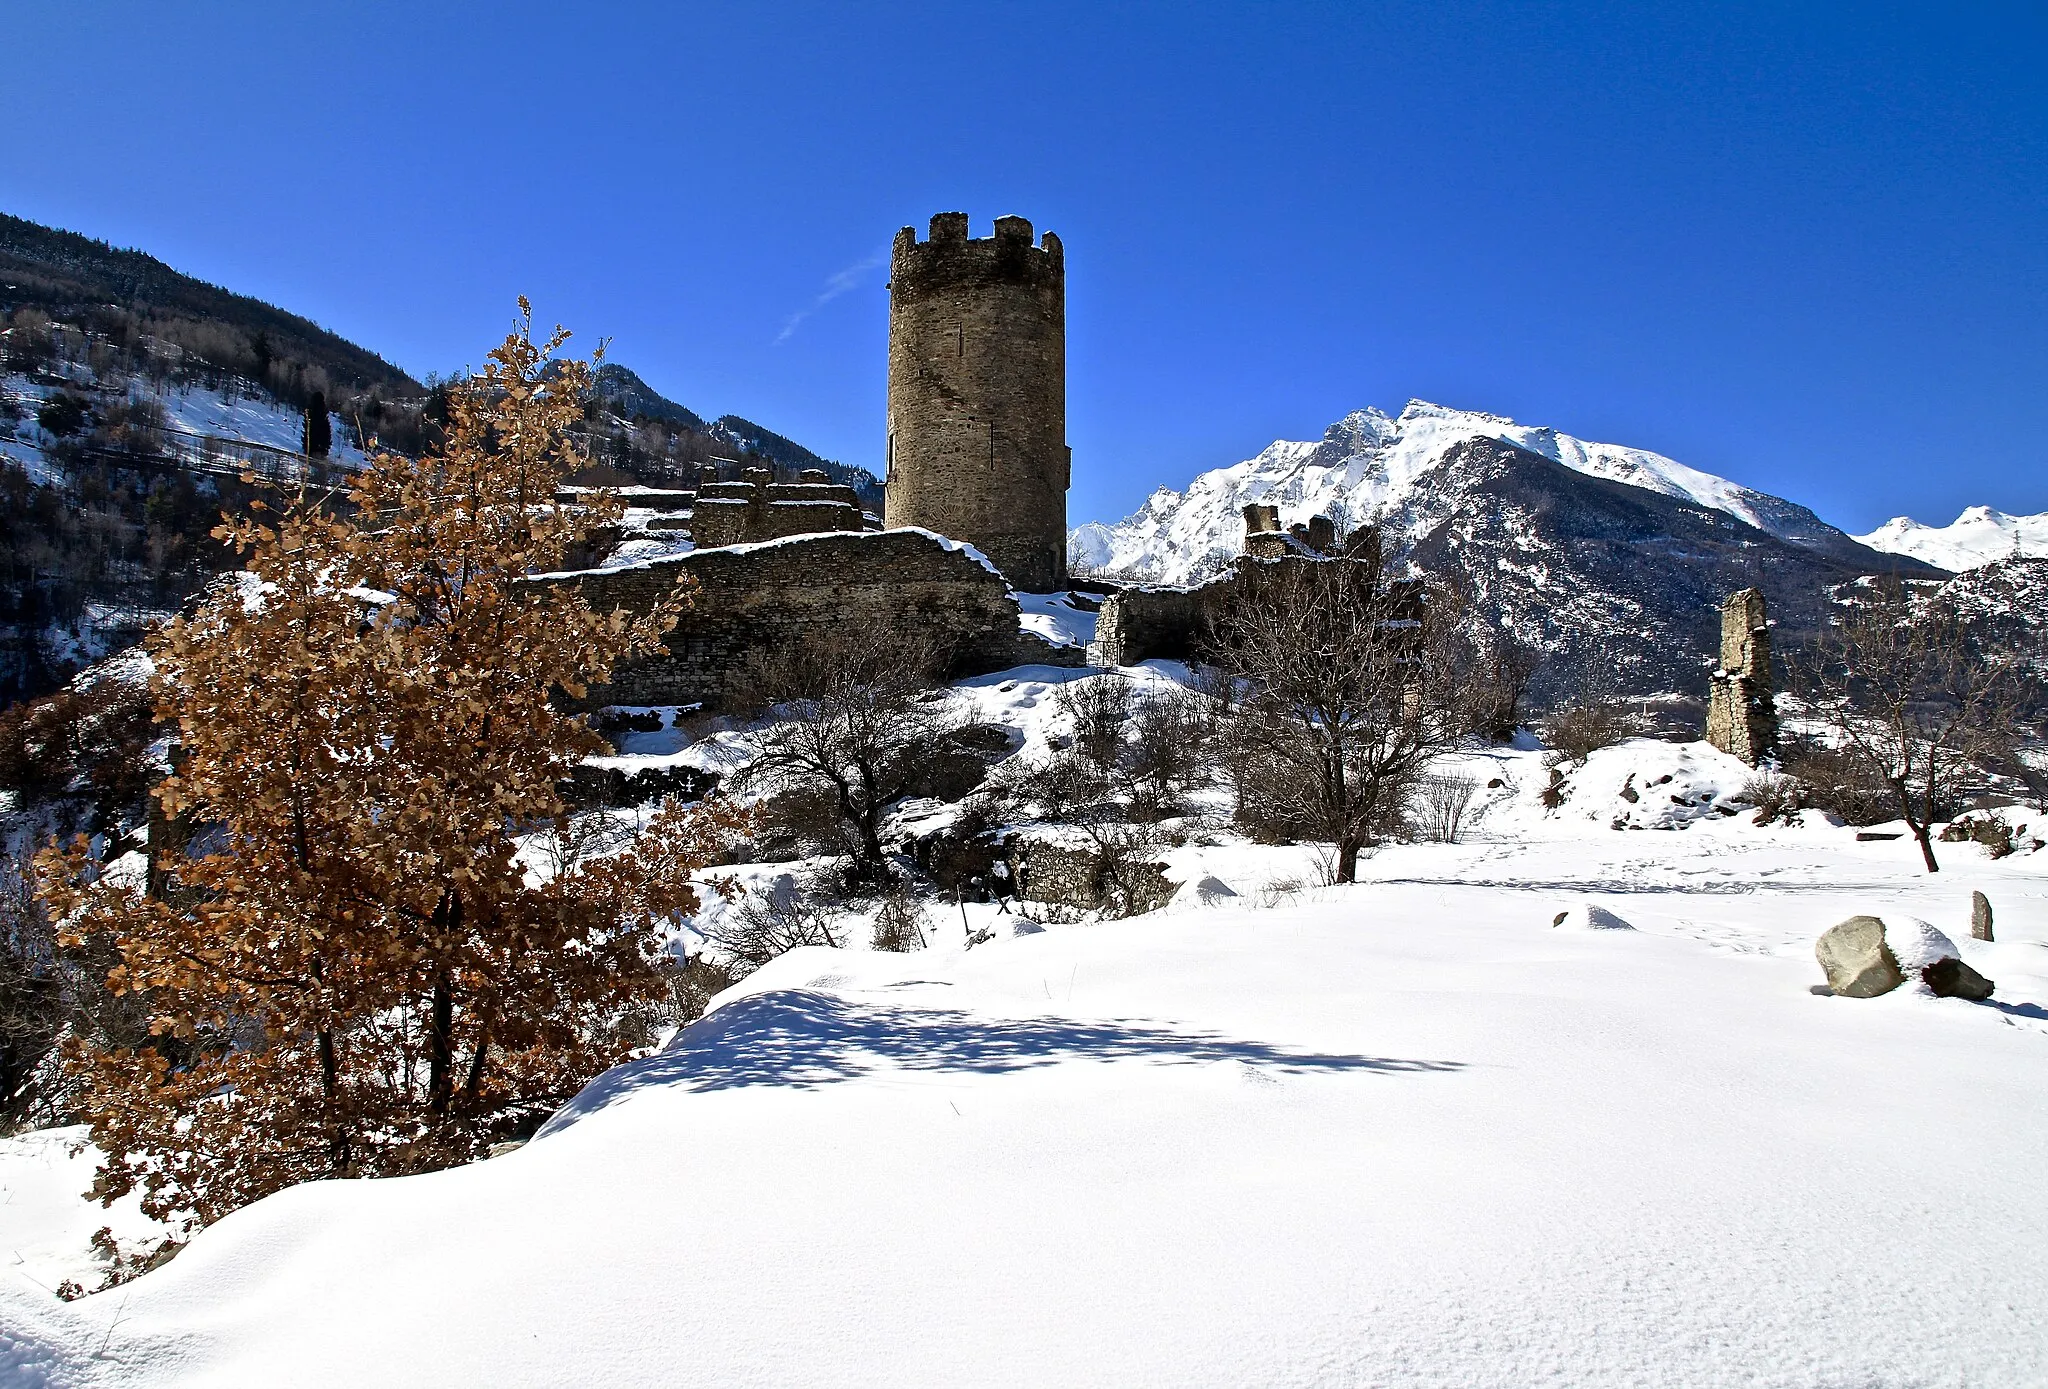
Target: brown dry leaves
x=353 y=971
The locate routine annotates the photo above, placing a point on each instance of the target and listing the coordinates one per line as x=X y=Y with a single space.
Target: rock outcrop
x=1864 y=957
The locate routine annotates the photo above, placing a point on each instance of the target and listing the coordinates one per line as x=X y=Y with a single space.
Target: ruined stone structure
x=761 y=596
x=1742 y=719
x=977 y=442
x=757 y=508
x=1143 y=622
x=1264 y=539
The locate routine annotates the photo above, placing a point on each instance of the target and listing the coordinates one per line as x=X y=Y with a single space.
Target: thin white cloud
x=838 y=283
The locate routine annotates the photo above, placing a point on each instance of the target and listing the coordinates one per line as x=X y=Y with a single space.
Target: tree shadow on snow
x=801 y=1039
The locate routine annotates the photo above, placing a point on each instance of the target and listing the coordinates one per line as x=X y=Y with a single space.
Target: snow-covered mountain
x=1370 y=467
x=1608 y=562
x=1977 y=537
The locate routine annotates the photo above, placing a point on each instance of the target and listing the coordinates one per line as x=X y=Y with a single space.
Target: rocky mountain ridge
x=1608 y=562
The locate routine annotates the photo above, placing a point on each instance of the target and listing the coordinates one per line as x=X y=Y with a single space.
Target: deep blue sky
x=1803 y=246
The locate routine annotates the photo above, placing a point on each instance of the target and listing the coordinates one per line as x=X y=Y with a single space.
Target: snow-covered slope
x=1408 y=1133
x=1369 y=467
x=1978 y=536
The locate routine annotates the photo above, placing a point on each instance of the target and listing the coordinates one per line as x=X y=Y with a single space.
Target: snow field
x=1975 y=538
x=1408 y=1132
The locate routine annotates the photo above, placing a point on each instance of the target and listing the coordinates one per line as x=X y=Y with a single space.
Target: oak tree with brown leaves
x=358 y=965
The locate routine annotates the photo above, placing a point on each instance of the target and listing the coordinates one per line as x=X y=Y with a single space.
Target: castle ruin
x=977 y=424
x=758 y=508
x=1742 y=718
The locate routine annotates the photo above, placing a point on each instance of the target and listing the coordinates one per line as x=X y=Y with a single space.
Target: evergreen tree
x=364 y=972
x=318 y=436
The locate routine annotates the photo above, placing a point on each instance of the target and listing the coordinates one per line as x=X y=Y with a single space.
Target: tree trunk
x=1347 y=859
x=476 y=1063
x=1926 y=843
x=330 y=1087
x=441 y=1046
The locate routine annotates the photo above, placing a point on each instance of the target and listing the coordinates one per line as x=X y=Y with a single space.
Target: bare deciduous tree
x=854 y=713
x=1353 y=689
x=1909 y=699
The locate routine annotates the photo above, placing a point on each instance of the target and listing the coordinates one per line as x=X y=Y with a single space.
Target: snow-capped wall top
x=1366 y=468
x=1977 y=537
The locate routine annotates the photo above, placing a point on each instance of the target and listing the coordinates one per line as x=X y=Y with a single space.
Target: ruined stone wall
x=793 y=590
x=1140 y=624
x=1170 y=623
x=755 y=509
x=977 y=445
x=1742 y=717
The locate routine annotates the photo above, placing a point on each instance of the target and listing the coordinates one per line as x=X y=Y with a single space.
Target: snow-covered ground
x=1406 y=1132
x=1976 y=538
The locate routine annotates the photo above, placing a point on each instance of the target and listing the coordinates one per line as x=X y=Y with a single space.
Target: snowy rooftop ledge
x=657 y=561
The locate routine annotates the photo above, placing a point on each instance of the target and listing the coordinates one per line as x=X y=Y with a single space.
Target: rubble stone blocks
x=1980 y=916
x=1142 y=623
x=977 y=443
x=1079 y=876
x=1742 y=718
x=1951 y=978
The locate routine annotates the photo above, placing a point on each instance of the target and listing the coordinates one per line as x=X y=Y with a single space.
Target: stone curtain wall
x=977 y=442
x=1139 y=624
x=769 y=595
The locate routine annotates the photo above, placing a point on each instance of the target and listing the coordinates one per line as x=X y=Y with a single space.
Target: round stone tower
x=978 y=394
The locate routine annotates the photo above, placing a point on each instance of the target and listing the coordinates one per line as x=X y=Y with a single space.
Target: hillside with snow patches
x=1556 y=1105
x=1978 y=537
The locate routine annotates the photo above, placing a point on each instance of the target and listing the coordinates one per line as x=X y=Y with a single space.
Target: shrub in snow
x=1436 y=808
x=1584 y=729
x=853 y=720
x=898 y=922
x=1775 y=796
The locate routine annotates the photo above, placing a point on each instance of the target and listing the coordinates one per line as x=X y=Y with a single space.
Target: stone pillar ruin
x=1742 y=718
x=977 y=446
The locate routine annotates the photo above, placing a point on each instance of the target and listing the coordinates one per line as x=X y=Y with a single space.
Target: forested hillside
x=133 y=397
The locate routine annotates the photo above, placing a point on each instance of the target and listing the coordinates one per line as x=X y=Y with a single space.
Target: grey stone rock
x=1952 y=978
x=1980 y=916
x=1858 y=962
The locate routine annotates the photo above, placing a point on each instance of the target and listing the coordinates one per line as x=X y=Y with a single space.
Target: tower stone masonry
x=977 y=446
x=1742 y=719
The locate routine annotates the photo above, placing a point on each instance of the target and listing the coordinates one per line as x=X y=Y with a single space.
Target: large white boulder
x=1865 y=956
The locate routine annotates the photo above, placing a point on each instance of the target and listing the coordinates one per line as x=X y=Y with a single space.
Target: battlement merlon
x=949 y=245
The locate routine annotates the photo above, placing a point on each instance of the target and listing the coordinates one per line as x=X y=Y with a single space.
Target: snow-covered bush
x=1580 y=730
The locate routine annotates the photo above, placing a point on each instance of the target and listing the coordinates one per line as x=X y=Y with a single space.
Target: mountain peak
x=1979 y=536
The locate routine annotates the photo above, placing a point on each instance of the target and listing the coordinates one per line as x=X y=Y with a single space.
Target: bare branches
x=852 y=714
x=1354 y=690
x=1909 y=700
